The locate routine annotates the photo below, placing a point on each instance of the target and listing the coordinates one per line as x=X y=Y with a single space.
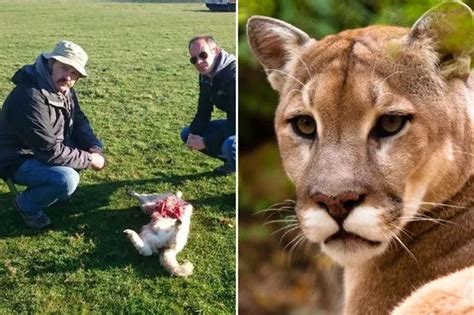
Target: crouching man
x=217 y=85
x=45 y=138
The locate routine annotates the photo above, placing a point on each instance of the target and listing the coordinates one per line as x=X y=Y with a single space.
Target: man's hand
x=98 y=150
x=195 y=142
x=97 y=162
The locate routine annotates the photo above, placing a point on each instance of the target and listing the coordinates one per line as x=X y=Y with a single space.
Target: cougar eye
x=389 y=125
x=304 y=126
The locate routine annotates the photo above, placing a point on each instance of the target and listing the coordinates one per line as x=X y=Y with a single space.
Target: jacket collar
x=222 y=61
x=29 y=73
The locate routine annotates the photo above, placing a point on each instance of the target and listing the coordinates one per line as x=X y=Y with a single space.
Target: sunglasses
x=202 y=55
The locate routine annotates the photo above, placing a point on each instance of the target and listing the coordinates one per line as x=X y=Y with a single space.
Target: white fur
x=165 y=236
x=352 y=255
x=318 y=225
x=449 y=150
x=365 y=221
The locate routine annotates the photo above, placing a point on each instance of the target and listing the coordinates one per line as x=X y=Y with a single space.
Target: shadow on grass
x=88 y=219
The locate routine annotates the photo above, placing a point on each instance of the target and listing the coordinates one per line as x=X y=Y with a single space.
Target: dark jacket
x=37 y=123
x=217 y=91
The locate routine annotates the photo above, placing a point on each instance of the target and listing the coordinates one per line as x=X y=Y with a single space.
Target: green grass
x=140 y=92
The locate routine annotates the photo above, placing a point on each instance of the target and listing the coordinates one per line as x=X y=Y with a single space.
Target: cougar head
x=374 y=125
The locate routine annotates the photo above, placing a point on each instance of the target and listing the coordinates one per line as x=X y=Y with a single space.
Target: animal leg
x=147 y=202
x=169 y=262
x=142 y=247
x=133 y=193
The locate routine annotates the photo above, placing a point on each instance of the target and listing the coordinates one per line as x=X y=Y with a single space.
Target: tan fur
x=417 y=185
x=437 y=297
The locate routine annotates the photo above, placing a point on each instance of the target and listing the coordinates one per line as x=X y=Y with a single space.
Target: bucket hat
x=71 y=54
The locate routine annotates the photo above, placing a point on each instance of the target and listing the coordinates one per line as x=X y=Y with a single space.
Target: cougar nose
x=339 y=207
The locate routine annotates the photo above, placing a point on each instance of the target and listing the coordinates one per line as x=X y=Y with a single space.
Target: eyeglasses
x=202 y=55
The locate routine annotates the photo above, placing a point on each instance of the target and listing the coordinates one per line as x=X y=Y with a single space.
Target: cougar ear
x=450 y=28
x=272 y=41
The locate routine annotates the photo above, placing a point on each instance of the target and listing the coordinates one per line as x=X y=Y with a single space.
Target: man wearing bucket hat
x=215 y=138
x=45 y=138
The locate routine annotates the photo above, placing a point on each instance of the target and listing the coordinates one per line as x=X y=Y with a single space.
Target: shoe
x=223 y=170
x=35 y=223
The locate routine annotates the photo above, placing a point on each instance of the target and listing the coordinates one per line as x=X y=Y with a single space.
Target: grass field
x=140 y=92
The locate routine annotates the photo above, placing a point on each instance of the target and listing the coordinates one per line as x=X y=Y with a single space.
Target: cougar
x=375 y=129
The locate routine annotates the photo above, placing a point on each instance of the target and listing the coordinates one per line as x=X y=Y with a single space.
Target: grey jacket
x=36 y=122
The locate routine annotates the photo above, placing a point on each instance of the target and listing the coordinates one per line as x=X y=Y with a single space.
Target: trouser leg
x=184 y=136
x=229 y=149
x=45 y=184
x=213 y=126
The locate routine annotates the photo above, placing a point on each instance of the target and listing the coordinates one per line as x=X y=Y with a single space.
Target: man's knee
x=229 y=148
x=184 y=134
x=67 y=181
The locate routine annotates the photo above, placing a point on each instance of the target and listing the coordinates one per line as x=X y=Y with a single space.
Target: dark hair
x=208 y=38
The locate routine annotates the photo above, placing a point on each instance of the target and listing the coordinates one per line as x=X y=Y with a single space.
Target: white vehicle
x=220 y=5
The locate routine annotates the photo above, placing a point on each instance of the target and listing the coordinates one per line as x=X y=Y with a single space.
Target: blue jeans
x=228 y=147
x=45 y=183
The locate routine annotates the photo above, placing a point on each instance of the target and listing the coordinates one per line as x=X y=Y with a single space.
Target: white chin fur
x=345 y=256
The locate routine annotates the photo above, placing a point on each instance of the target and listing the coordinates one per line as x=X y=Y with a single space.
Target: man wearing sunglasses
x=215 y=138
